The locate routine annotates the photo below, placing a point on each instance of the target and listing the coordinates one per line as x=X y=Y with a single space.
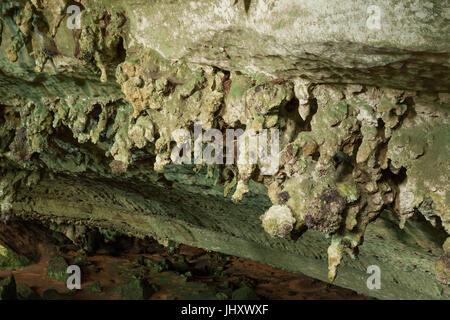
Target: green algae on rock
x=278 y=221
x=137 y=290
x=57 y=269
x=348 y=150
x=8 y=288
x=26 y=293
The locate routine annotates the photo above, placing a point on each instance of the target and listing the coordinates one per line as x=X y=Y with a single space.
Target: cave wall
x=88 y=116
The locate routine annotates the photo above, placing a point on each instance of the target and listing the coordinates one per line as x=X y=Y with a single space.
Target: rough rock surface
x=88 y=118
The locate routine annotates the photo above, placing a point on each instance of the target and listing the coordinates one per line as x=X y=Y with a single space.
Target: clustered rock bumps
x=278 y=221
x=164 y=97
x=346 y=152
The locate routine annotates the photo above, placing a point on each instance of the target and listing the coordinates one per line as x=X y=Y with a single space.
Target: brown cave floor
x=187 y=273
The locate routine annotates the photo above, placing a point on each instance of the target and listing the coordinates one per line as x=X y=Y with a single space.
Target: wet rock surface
x=8 y=288
x=88 y=118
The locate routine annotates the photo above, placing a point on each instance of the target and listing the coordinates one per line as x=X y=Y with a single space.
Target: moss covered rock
x=24 y=292
x=9 y=260
x=8 y=288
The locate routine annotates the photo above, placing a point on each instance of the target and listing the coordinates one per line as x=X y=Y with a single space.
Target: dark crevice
x=314 y=106
x=121 y=51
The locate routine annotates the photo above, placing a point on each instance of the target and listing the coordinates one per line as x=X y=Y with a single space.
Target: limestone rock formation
x=120 y=123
